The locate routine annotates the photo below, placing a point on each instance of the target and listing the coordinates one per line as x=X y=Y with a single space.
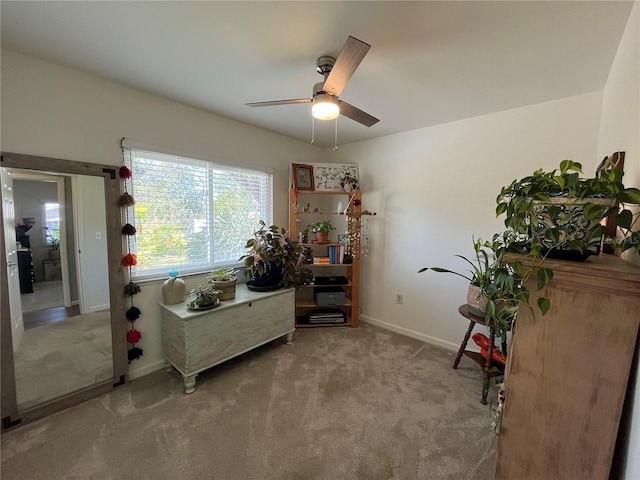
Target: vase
x=174 y=291
x=322 y=237
x=477 y=301
x=566 y=216
x=270 y=279
x=227 y=287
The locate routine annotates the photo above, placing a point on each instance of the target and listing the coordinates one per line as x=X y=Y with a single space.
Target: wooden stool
x=486 y=362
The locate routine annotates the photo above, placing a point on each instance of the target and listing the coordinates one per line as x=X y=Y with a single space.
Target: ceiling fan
x=336 y=72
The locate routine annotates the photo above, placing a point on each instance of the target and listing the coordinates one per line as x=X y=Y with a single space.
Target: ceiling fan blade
x=356 y=114
x=348 y=60
x=280 y=102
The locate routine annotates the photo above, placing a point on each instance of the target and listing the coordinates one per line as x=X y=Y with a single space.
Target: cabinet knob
x=250 y=304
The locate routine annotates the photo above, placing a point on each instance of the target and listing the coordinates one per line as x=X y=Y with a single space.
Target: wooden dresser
x=193 y=341
x=567 y=372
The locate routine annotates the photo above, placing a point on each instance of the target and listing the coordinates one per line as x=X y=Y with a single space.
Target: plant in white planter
x=224 y=279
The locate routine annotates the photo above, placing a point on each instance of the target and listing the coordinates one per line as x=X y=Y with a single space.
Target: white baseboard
x=410 y=333
x=98 y=308
x=146 y=370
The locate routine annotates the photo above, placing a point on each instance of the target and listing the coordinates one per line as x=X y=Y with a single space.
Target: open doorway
x=44 y=230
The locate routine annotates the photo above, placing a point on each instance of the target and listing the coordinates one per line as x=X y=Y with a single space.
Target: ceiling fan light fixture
x=325 y=106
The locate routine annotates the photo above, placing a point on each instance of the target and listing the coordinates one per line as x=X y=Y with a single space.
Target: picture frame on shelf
x=343 y=238
x=303 y=177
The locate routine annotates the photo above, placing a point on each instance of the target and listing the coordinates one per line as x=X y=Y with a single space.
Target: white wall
x=435 y=188
x=56 y=112
x=620 y=130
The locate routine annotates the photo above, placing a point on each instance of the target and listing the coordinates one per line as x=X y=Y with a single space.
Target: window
x=191 y=214
x=51 y=223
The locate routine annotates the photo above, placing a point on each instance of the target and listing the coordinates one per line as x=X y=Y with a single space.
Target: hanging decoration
x=129 y=260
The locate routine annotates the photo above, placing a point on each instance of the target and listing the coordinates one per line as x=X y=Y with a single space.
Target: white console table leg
x=167 y=366
x=289 y=338
x=190 y=383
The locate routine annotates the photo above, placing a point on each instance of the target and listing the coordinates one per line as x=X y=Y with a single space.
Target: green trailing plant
x=272 y=244
x=538 y=231
x=520 y=201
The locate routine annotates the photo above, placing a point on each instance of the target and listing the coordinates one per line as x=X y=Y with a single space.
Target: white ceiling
x=430 y=62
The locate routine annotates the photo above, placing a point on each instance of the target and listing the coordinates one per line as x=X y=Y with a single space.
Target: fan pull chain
x=335 y=136
x=313 y=128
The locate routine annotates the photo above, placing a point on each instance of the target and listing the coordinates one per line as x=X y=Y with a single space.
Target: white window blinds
x=191 y=214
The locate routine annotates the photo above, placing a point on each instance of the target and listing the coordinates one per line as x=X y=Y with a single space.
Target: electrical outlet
x=399 y=298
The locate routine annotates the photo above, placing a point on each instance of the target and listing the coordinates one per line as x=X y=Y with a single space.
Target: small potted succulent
x=274 y=260
x=224 y=279
x=206 y=297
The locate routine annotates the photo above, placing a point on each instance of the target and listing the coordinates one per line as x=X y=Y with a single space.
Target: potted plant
x=53 y=240
x=54 y=249
x=558 y=213
x=206 y=297
x=224 y=279
x=479 y=277
x=495 y=288
x=321 y=229
x=274 y=260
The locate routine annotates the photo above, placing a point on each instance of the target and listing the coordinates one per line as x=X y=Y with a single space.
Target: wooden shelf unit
x=298 y=220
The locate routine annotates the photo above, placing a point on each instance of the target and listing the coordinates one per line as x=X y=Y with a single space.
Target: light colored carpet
x=339 y=403
x=63 y=357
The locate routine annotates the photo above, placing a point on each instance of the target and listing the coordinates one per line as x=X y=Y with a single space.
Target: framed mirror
x=63 y=325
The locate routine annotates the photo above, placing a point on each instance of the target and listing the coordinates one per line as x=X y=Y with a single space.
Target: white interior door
x=11 y=257
x=93 y=269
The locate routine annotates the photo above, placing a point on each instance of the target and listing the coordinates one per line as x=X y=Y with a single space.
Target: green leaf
x=491 y=309
x=567 y=165
x=544 y=277
x=560 y=181
x=501 y=208
x=592 y=211
x=625 y=219
x=517 y=266
x=572 y=180
x=541 y=196
x=553 y=235
x=544 y=305
x=629 y=195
